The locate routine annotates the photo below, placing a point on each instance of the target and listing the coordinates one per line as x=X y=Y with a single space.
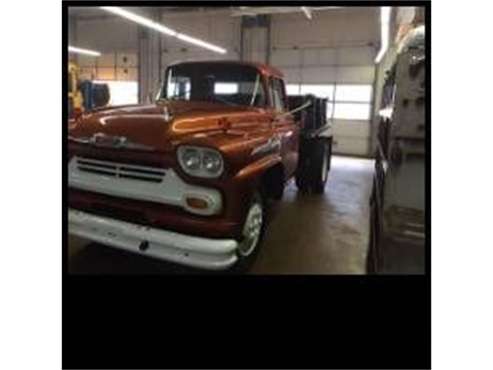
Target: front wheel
x=252 y=233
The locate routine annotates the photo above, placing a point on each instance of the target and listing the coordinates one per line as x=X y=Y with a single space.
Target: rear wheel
x=301 y=180
x=321 y=165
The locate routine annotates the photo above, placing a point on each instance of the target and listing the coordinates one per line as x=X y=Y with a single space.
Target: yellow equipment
x=75 y=99
x=84 y=95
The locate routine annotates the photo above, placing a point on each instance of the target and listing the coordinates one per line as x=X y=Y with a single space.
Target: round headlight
x=191 y=159
x=200 y=162
x=212 y=162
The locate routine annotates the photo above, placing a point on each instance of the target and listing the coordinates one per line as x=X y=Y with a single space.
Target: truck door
x=284 y=126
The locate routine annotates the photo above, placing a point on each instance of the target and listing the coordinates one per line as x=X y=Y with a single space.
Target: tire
x=301 y=180
x=372 y=258
x=371 y=263
x=303 y=170
x=329 y=143
x=249 y=245
x=321 y=165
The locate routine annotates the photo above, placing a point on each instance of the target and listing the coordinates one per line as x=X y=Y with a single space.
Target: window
x=354 y=93
x=345 y=101
x=179 y=87
x=122 y=92
x=293 y=89
x=226 y=83
x=226 y=88
x=320 y=91
x=352 y=111
x=353 y=102
x=278 y=97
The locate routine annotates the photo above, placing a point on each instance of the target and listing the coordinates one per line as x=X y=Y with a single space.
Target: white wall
x=216 y=27
x=116 y=39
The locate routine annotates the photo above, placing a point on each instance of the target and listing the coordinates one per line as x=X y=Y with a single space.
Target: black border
x=213 y=322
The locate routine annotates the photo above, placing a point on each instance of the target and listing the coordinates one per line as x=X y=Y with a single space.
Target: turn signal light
x=197 y=203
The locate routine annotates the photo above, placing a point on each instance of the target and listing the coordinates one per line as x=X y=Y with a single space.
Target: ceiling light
x=307 y=12
x=206 y=45
x=139 y=19
x=160 y=28
x=73 y=49
x=384 y=31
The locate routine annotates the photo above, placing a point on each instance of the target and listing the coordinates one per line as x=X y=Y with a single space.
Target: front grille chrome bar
x=120 y=170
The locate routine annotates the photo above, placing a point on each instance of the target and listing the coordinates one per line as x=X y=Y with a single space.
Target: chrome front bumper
x=212 y=254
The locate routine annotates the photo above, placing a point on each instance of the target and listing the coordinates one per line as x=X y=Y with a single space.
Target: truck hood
x=162 y=125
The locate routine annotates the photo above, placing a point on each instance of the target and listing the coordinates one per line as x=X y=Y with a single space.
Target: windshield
x=225 y=83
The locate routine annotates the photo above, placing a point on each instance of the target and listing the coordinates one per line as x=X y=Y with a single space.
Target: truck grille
x=120 y=170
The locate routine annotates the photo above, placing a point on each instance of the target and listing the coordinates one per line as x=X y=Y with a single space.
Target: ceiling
x=85 y=12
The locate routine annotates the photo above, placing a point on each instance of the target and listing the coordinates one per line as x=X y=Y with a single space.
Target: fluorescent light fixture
x=206 y=45
x=139 y=19
x=307 y=12
x=73 y=49
x=160 y=28
x=384 y=31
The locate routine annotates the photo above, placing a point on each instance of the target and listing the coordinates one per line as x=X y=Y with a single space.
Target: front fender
x=258 y=167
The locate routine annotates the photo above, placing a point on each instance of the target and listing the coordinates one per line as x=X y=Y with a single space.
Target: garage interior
x=338 y=53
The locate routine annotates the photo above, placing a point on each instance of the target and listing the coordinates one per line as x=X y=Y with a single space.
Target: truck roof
x=262 y=68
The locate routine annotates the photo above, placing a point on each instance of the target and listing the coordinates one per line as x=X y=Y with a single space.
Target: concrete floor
x=307 y=234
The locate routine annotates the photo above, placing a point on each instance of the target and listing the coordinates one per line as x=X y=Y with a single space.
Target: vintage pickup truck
x=187 y=178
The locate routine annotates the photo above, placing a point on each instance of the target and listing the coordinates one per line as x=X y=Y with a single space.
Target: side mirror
x=295 y=110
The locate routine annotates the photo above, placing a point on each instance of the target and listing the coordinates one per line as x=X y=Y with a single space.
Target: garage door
x=344 y=76
x=118 y=70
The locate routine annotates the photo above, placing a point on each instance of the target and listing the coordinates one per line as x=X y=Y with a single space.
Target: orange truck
x=188 y=178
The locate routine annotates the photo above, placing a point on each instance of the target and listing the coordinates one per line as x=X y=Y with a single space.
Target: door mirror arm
x=297 y=109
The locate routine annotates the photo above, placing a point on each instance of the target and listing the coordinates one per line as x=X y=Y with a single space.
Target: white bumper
x=213 y=254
